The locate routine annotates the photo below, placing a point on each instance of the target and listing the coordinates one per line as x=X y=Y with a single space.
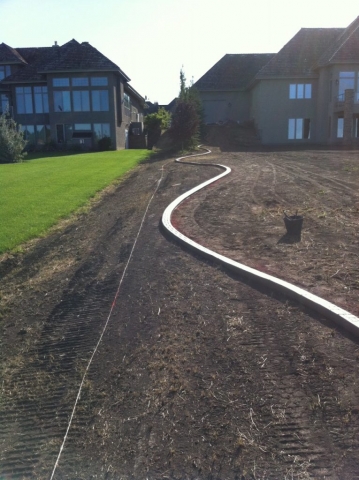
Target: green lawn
x=35 y=194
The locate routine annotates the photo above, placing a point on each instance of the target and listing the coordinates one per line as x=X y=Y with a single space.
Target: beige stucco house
x=307 y=93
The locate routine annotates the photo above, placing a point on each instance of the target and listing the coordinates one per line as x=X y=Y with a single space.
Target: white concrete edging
x=343 y=318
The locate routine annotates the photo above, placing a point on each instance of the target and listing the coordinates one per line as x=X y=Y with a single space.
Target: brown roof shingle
x=72 y=56
x=301 y=53
x=233 y=71
x=345 y=49
x=9 y=55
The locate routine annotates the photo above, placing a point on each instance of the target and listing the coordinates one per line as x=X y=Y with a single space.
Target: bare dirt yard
x=200 y=374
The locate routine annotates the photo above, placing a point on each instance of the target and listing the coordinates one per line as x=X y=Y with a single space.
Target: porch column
x=348 y=116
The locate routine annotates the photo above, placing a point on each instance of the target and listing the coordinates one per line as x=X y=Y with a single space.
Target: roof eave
x=78 y=70
x=241 y=89
x=286 y=77
x=13 y=62
x=130 y=89
x=11 y=82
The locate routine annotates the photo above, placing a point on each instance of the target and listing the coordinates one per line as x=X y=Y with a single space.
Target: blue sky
x=150 y=40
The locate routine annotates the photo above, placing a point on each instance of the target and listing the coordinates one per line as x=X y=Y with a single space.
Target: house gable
x=344 y=49
x=298 y=57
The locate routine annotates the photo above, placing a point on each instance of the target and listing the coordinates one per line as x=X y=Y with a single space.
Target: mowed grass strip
x=36 y=194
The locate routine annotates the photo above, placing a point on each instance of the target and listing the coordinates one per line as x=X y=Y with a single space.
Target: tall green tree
x=155 y=123
x=187 y=117
x=12 y=141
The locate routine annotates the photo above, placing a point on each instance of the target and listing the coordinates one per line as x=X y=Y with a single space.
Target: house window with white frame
x=298 y=128
x=300 y=90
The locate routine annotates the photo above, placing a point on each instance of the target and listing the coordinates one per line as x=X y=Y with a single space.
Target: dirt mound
x=231 y=137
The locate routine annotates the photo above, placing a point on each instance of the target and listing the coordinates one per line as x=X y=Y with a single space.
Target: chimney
x=55 y=44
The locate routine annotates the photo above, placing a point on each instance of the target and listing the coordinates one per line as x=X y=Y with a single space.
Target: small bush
x=104 y=144
x=12 y=141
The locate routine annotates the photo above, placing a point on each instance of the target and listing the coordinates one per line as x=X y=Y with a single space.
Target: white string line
x=105 y=326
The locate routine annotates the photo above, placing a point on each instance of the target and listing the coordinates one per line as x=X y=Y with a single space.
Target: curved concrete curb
x=340 y=316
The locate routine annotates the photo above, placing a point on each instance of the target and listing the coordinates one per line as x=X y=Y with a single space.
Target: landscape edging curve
x=337 y=314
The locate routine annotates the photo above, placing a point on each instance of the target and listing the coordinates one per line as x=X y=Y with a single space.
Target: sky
x=151 y=40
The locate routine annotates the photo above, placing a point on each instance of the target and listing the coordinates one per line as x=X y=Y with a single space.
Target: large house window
x=300 y=90
x=81 y=100
x=101 y=129
x=80 y=82
x=61 y=82
x=99 y=81
x=298 y=128
x=28 y=132
x=4 y=103
x=346 y=81
x=127 y=104
x=100 y=100
x=5 y=71
x=340 y=127
x=24 y=100
x=62 y=102
x=42 y=134
x=41 y=100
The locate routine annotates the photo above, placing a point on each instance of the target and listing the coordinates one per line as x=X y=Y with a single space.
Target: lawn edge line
x=337 y=314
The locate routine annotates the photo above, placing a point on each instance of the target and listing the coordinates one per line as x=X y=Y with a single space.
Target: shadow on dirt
x=290 y=238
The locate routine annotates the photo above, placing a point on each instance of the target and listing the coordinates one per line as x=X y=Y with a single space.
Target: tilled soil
x=199 y=374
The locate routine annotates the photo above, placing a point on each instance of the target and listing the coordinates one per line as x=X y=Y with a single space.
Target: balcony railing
x=340 y=98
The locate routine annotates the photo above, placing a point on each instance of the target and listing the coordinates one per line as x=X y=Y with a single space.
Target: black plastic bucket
x=293 y=224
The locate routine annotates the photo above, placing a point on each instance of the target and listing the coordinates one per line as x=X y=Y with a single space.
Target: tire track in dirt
x=41 y=412
x=337 y=183
x=241 y=385
x=40 y=381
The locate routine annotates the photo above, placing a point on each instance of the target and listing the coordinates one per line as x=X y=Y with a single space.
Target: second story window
x=300 y=90
x=5 y=71
x=99 y=81
x=100 y=100
x=61 y=82
x=62 y=102
x=24 y=100
x=41 y=100
x=80 y=82
x=346 y=82
x=81 y=100
x=127 y=103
